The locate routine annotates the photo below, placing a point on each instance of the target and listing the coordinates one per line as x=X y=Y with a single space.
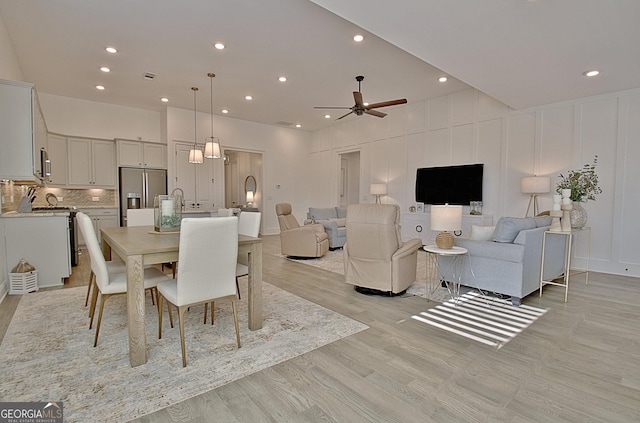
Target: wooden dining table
x=139 y=246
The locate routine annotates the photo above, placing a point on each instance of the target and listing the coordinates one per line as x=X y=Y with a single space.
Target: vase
x=578 y=216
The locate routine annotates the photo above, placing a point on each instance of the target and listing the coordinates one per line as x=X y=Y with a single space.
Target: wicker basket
x=23 y=283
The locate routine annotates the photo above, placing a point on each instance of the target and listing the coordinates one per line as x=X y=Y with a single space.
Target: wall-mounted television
x=449 y=184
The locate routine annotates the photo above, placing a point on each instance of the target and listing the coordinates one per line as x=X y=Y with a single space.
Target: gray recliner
x=300 y=241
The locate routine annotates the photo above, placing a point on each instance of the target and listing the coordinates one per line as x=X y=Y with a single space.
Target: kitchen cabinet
x=58 y=156
x=92 y=163
x=41 y=240
x=142 y=154
x=418 y=225
x=17 y=141
x=101 y=218
x=196 y=180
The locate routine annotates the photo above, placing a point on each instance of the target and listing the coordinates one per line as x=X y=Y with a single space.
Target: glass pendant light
x=195 y=154
x=212 y=144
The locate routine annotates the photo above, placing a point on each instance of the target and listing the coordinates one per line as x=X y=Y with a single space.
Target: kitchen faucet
x=181 y=196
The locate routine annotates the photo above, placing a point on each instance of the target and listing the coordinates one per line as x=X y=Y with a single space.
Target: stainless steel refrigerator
x=137 y=187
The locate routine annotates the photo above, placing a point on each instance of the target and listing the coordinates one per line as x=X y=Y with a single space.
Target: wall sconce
x=378 y=190
x=534 y=185
x=446 y=219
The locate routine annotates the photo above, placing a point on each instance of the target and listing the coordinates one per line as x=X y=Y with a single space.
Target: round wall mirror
x=250 y=184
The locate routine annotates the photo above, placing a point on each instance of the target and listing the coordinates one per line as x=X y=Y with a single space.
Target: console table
x=418 y=225
x=567 y=259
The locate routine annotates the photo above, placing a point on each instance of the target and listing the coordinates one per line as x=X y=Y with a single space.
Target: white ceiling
x=522 y=52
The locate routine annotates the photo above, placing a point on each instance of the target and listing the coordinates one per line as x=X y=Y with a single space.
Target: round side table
x=438 y=274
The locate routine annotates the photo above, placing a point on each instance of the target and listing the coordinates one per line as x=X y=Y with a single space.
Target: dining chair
x=108 y=283
x=113 y=266
x=249 y=225
x=144 y=217
x=207 y=269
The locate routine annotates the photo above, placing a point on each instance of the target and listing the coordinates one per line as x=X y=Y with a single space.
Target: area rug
x=47 y=353
x=488 y=320
x=333 y=261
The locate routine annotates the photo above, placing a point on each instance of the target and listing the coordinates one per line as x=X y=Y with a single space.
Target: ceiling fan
x=359 y=108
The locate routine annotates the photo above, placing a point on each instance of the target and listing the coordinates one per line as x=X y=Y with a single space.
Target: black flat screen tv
x=449 y=184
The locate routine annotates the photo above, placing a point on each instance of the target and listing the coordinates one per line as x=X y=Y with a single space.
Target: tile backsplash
x=12 y=194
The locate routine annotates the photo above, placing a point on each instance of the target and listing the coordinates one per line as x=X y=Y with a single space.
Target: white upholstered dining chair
x=249 y=225
x=207 y=253
x=108 y=283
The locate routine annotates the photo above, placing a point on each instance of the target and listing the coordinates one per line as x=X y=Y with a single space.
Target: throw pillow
x=508 y=228
x=482 y=233
x=542 y=221
x=322 y=213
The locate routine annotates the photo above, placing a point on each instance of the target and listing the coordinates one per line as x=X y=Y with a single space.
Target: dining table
x=140 y=246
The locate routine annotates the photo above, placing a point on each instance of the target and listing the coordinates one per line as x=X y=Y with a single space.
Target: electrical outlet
x=95 y=198
x=60 y=198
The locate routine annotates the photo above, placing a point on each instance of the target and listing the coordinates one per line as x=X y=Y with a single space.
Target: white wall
x=470 y=127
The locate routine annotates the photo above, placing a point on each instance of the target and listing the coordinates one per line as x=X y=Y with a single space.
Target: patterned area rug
x=424 y=286
x=488 y=320
x=47 y=353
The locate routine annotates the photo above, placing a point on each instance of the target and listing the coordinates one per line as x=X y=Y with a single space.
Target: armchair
x=300 y=241
x=375 y=258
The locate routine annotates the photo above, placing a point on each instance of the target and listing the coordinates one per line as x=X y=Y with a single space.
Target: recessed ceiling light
x=225 y=111
x=327 y=116
x=298 y=125
x=219 y=46
x=365 y=104
x=248 y=97
x=100 y=87
x=358 y=38
x=442 y=79
x=164 y=99
x=282 y=79
x=592 y=72
x=105 y=69
x=111 y=50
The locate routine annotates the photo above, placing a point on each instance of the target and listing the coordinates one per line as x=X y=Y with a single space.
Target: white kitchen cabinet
x=58 y=156
x=417 y=225
x=196 y=180
x=41 y=240
x=92 y=163
x=17 y=141
x=142 y=154
x=101 y=218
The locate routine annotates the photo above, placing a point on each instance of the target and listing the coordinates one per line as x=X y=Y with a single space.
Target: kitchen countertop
x=14 y=214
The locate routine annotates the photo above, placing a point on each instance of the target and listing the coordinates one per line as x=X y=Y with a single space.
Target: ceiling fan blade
x=386 y=103
x=345 y=115
x=375 y=113
x=326 y=107
x=357 y=96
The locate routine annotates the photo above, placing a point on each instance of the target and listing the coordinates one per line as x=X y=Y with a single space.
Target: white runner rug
x=47 y=353
x=487 y=320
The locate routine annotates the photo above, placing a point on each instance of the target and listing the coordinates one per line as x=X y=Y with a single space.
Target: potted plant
x=584 y=185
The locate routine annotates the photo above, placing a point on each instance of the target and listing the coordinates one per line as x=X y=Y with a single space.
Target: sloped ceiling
x=524 y=53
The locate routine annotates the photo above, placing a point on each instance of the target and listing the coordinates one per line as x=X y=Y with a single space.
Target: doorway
x=349 y=178
x=238 y=166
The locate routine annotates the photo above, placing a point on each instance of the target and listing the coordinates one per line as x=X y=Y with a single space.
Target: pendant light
x=195 y=154
x=212 y=144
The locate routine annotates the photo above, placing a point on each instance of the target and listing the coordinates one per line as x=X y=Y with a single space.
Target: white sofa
x=509 y=262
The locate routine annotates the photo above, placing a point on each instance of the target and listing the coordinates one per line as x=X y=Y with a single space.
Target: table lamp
x=534 y=185
x=378 y=190
x=249 y=198
x=446 y=219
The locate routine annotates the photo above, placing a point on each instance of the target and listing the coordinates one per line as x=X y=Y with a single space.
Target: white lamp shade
x=446 y=218
x=249 y=196
x=535 y=184
x=195 y=156
x=378 y=189
x=212 y=149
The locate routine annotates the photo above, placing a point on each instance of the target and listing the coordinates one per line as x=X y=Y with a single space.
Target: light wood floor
x=580 y=362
